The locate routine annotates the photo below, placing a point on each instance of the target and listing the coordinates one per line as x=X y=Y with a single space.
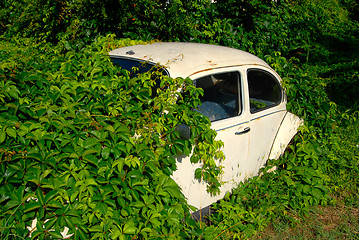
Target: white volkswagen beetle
x=243 y=98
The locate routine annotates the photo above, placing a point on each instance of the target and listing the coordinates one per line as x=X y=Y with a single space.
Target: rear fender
x=286 y=132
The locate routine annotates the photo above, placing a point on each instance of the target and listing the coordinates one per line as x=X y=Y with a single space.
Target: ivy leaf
x=12 y=203
x=40 y=196
x=105 y=153
x=198 y=173
x=123 y=136
x=54 y=204
x=2 y=136
x=129 y=228
x=110 y=128
x=90 y=181
x=11 y=132
x=13 y=91
x=102 y=207
x=56 y=234
x=32 y=206
x=116 y=234
x=90 y=142
x=96 y=70
x=147 y=153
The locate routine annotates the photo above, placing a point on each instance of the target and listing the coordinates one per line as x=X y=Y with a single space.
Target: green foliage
x=85 y=146
x=89 y=148
x=256 y=26
x=42 y=18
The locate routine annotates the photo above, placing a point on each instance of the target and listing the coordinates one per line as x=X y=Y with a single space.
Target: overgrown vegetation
x=85 y=146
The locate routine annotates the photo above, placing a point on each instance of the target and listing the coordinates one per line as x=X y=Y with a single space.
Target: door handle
x=245 y=130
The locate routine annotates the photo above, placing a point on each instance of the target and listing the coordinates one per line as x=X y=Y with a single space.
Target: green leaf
x=102 y=207
x=317 y=193
x=110 y=128
x=96 y=70
x=56 y=234
x=32 y=206
x=124 y=213
x=147 y=153
x=2 y=136
x=11 y=132
x=90 y=181
x=13 y=92
x=54 y=204
x=37 y=233
x=129 y=228
x=96 y=228
x=74 y=196
x=198 y=173
x=175 y=192
x=146 y=229
x=39 y=226
x=115 y=234
x=138 y=204
x=121 y=147
x=105 y=153
x=123 y=136
x=89 y=151
x=40 y=196
x=50 y=222
x=50 y=195
x=306 y=188
x=81 y=234
x=69 y=223
x=135 y=174
x=90 y=142
x=91 y=159
x=12 y=203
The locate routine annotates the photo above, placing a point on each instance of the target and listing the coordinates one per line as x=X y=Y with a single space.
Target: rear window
x=264 y=90
x=135 y=66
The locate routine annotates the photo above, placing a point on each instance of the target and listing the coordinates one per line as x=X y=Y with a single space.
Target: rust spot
x=212 y=63
x=208 y=69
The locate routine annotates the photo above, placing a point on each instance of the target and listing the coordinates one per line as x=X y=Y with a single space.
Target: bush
x=85 y=146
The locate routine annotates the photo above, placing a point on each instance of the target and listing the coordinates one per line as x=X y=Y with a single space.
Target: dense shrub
x=256 y=26
x=85 y=146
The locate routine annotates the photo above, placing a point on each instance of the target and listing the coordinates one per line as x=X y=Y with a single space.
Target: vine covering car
x=243 y=98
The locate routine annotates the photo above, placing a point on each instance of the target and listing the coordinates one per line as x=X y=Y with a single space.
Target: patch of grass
x=330 y=222
x=340 y=219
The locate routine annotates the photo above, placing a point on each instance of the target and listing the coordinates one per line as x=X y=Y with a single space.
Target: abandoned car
x=243 y=98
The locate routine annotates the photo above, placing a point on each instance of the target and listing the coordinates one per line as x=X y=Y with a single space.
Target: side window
x=221 y=97
x=264 y=90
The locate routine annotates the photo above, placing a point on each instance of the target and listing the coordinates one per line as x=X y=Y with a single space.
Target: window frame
x=277 y=82
x=240 y=88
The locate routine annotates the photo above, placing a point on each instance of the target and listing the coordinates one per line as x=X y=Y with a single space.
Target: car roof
x=185 y=59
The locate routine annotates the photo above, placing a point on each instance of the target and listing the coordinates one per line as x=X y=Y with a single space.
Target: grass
x=339 y=219
x=329 y=222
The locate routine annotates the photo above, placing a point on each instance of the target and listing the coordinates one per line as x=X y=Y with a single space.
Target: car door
x=266 y=105
x=223 y=104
